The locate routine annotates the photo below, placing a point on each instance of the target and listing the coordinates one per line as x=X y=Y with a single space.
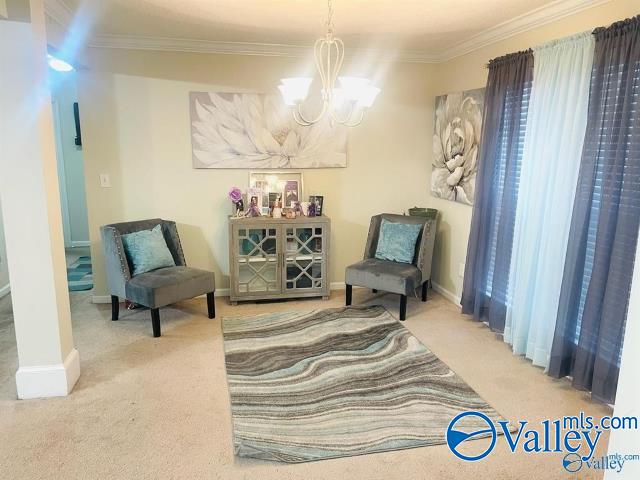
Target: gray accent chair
x=394 y=277
x=157 y=288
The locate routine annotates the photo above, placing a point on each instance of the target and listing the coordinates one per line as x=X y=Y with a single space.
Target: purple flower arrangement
x=235 y=195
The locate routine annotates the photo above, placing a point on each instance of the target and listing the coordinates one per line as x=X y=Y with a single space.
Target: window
x=507 y=182
x=623 y=185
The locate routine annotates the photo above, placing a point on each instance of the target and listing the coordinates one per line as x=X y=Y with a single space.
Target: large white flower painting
x=456 y=140
x=239 y=130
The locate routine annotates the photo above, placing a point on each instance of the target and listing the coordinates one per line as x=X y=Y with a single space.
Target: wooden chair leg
x=349 y=294
x=403 y=307
x=425 y=286
x=115 y=307
x=211 y=305
x=155 y=321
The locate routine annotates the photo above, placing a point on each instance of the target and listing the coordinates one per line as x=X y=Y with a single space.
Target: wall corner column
x=48 y=362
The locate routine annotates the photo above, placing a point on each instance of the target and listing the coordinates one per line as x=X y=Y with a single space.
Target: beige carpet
x=148 y=408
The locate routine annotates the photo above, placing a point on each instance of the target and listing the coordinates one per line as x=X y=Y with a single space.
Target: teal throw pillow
x=147 y=250
x=397 y=241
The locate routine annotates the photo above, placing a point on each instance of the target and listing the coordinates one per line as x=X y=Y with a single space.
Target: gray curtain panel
x=489 y=250
x=606 y=216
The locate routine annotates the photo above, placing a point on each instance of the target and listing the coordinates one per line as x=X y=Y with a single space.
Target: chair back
x=117 y=264
x=424 y=245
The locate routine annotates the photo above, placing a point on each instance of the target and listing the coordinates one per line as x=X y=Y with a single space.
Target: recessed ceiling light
x=58 y=64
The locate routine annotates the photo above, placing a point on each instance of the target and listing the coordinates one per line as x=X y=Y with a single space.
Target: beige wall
x=17 y=10
x=136 y=128
x=468 y=72
x=135 y=124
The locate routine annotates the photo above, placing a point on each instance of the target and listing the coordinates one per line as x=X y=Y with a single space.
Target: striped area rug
x=80 y=274
x=337 y=382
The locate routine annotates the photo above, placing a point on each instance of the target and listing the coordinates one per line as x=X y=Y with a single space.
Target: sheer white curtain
x=553 y=143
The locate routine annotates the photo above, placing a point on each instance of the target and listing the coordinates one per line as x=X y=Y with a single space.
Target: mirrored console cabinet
x=272 y=258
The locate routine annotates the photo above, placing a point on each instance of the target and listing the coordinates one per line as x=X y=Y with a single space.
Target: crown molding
x=167 y=44
x=535 y=18
x=61 y=13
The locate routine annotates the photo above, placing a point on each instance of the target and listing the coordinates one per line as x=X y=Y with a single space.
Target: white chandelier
x=351 y=100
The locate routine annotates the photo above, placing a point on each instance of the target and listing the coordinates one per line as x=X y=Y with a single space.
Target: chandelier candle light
x=354 y=97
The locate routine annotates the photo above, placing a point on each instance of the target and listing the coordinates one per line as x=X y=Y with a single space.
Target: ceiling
x=425 y=27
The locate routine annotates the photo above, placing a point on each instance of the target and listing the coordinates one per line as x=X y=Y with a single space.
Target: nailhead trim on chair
x=425 y=238
x=180 y=251
x=124 y=269
x=369 y=244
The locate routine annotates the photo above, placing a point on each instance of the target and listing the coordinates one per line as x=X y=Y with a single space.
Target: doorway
x=71 y=178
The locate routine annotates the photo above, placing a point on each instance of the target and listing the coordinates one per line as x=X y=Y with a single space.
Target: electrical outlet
x=461 y=270
x=105 y=180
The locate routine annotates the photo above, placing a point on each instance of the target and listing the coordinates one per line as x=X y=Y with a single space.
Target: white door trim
x=62 y=177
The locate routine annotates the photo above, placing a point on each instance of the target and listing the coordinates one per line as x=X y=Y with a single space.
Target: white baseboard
x=220 y=292
x=224 y=292
x=341 y=286
x=4 y=291
x=80 y=243
x=449 y=295
x=49 y=380
x=452 y=297
x=101 y=299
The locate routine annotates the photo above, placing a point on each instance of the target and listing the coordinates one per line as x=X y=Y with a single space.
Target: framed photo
x=264 y=186
x=273 y=198
x=318 y=201
x=288 y=185
x=291 y=193
x=254 y=197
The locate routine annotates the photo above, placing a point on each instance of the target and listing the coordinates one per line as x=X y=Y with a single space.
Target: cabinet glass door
x=257 y=260
x=303 y=258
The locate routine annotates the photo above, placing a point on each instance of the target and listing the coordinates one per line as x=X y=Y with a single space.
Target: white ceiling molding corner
x=241 y=48
x=167 y=44
x=62 y=14
x=59 y=12
x=528 y=21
